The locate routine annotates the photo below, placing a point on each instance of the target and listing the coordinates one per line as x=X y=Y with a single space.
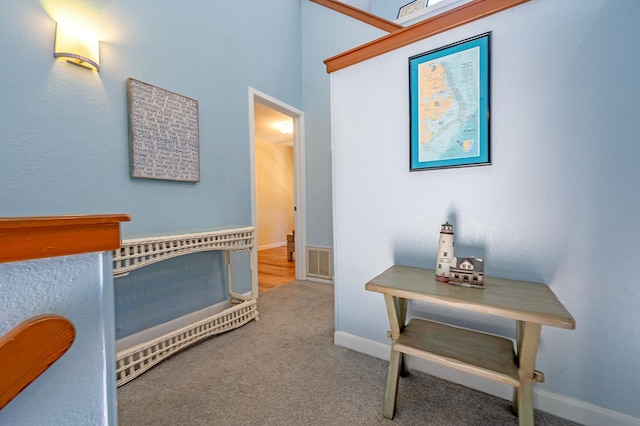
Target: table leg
x=397 y=312
x=402 y=317
x=404 y=370
x=391 y=394
x=519 y=330
x=528 y=338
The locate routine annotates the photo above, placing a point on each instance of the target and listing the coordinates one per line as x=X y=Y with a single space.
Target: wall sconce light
x=77 y=45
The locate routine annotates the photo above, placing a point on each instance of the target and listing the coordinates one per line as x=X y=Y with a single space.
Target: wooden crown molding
x=461 y=15
x=360 y=15
x=25 y=238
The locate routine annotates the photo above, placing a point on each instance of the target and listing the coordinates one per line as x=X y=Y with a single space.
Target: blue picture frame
x=449 y=105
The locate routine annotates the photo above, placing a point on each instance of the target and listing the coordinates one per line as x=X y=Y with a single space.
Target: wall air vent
x=319 y=263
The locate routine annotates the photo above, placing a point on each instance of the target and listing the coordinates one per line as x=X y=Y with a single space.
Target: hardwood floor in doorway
x=274 y=269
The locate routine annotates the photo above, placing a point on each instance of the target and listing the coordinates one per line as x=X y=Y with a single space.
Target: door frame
x=300 y=202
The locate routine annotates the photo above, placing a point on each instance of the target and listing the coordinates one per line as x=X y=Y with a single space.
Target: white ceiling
x=266 y=121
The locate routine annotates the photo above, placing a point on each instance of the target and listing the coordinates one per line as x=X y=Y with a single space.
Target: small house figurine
x=467 y=272
x=445 y=253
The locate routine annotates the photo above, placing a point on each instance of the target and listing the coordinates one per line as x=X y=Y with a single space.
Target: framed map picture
x=449 y=105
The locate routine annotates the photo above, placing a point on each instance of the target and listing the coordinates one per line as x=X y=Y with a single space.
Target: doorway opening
x=278 y=190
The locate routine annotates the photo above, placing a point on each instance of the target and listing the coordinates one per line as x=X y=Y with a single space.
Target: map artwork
x=448 y=107
x=449 y=103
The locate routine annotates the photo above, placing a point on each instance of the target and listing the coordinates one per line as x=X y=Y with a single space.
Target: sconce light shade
x=77 y=45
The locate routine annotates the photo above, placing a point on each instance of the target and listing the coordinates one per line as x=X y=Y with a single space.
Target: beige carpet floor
x=285 y=370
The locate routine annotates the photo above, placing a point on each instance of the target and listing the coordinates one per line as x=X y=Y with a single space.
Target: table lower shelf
x=478 y=353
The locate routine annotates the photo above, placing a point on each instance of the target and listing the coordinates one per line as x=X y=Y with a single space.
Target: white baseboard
x=274 y=245
x=549 y=402
x=318 y=280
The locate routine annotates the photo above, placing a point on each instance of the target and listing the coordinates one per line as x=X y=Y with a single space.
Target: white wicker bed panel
x=134 y=361
x=139 y=252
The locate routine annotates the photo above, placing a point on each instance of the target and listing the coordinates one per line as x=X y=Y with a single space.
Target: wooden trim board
x=360 y=15
x=453 y=18
x=24 y=238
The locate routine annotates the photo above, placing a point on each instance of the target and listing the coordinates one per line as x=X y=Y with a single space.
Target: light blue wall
x=64 y=131
x=558 y=205
x=168 y=290
x=79 y=388
x=558 y=191
x=325 y=33
x=65 y=146
x=64 y=134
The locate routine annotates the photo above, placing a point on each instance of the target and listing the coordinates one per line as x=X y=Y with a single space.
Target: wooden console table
x=532 y=305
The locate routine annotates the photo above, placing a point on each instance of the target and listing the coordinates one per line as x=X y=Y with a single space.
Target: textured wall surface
x=319 y=44
x=73 y=391
x=65 y=150
x=558 y=205
x=64 y=129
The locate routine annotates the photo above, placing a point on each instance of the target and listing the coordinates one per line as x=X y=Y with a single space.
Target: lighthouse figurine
x=445 y=253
